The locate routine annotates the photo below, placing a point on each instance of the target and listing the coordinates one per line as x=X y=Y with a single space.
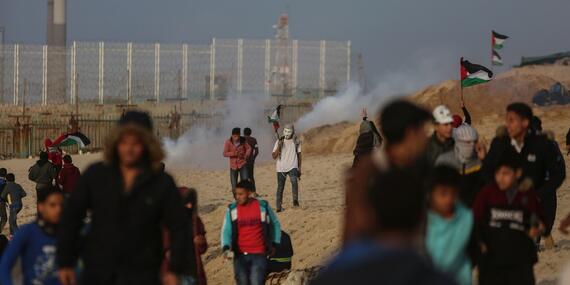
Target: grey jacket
x=436 y=148
x=42 y=173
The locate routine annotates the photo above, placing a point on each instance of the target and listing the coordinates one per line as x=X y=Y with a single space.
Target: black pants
x=548 y=205
x=3 y=215
x=119 y=278
x=511 y=275
x=250 y=166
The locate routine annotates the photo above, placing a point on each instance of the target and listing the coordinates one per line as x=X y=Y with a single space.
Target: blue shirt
x=37 y=251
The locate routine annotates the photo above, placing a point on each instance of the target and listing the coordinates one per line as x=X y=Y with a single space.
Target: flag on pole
x=497 y=60
x=76 y=138
x=498 y=40
x=473 y=74
x=274 y=118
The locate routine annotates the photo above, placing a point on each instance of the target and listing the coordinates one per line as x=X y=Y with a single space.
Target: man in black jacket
x=541 y=161
x=130 y=201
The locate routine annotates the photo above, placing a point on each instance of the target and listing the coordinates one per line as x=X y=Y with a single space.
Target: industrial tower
x=281 y=69
x=56 y=39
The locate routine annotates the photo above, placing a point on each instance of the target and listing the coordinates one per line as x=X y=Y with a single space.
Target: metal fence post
x=73 y=72
x=16 y=74
x=101 y=82
x=213 y=69
x=348 y=60
x=267 y=66
x=185 y=70
x=156 y=72
x=44 y=74
x=129 y=72
x=240 y=66
x=295 y=67
x=322 y=69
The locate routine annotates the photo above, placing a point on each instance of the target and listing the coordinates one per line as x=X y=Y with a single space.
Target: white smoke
x=202 y=146
x=430 y=66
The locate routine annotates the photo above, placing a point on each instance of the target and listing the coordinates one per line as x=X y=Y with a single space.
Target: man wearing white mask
x=287 y=152
x=466 y=157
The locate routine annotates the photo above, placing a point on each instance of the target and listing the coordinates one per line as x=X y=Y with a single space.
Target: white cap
x=442 y=115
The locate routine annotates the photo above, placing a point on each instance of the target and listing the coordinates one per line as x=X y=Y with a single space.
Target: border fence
x=132 y=73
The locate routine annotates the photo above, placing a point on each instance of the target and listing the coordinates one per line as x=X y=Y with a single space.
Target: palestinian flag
x=72 y=139
x=497 y=60
x=498 y=40
x=274 y=118
x=473 y=74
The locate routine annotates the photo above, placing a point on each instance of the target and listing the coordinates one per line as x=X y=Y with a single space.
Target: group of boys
x=445 y=199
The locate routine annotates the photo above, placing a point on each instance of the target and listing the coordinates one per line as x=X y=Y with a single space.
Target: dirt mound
x=327 y=139
x=519 y=84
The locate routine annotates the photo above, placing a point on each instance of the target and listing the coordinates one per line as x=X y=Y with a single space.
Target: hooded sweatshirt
x=447 y=242
x=42 y=173
x=68 y=177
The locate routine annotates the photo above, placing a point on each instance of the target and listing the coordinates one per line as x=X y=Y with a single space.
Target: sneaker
x=548 y=242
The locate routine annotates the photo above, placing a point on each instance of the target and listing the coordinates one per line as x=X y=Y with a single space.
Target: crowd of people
x=420 y=208
x=426 y=209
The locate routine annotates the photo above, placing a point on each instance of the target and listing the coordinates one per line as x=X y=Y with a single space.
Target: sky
x=394 y=36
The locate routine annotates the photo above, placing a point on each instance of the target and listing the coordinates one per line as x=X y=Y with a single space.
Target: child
x=13 y=194
x=449 y=226
x=68 y=175
x=190 y=196
x=506 y=218
x=249 y=233
x=34 y=243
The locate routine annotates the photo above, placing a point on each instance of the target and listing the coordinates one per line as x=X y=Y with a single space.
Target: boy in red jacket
x=238 y=151
x=68 y=175
x=507 y=221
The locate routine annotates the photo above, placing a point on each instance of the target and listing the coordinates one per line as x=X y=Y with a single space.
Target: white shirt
x=518 y=147
x=288 y=160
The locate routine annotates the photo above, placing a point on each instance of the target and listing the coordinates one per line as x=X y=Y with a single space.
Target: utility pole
x=2 y=31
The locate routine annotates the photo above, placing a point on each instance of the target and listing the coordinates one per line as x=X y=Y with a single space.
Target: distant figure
x=287 y=152
x=388 y=255
x=68 y=175
x=507 y=220
x=238 y=152
x=282 y=259
x=13 y=194
x=3 y=213
x=441 y=140
x=35 y=244
x=252 y=142
x=54 y=154
x=190 y=197
x=43 y=173
x=130 y=201
x=450 y=239
x=368 y=138
x=250 y=232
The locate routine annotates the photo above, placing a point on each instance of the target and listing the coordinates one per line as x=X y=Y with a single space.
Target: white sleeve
x=276 y=146
x=299 y=148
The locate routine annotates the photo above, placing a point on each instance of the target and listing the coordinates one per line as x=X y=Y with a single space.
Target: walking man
x=238 y=152
x=43 y=173
x=252 y=142
x=130 y=201
x=287 y=152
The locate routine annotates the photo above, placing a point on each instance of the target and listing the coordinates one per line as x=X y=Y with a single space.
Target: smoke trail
x=201 y=146
x=430 y=66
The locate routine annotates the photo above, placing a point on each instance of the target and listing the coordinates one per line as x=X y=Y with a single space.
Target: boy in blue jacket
x=449 y=236
x=35 y=243
x=249 y=234
x=13 y=194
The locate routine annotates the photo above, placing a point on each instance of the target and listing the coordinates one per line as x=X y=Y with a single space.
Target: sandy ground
x=315 y=227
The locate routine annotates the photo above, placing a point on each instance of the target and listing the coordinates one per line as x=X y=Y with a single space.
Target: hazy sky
x=392 y=34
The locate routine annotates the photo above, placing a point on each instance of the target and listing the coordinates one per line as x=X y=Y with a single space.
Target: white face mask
x=287 y=133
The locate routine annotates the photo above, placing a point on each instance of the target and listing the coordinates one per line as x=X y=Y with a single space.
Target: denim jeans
x=13 y=218
x=250 y=269
x=281 y=178
x=243 y=175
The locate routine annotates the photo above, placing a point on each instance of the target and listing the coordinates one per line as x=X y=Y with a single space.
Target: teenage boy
x=250 y=233
x=250 y=165
x=68 y=175
x=35 y=244
x=238 y=152
x=441 y=140
x=507 y=220
x=13 y=194
x=287 y=152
